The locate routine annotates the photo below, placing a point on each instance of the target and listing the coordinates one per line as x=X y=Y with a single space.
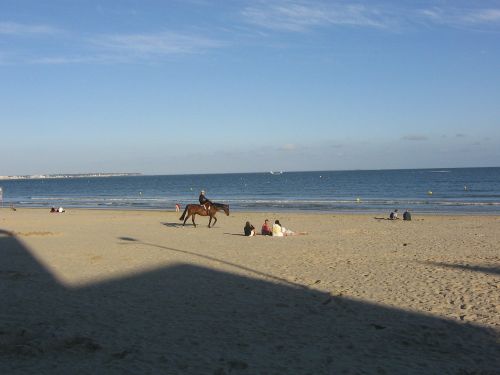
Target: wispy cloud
x=290 y=147
x=415 y=137
x=484 y=15
x=301 y=16
x=110 y=48
x=64 y=60
x=154 y=44
x=19 y=29
x=337 y=145
x=462 y=17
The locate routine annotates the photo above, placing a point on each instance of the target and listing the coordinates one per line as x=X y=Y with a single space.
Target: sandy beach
x=134 y=292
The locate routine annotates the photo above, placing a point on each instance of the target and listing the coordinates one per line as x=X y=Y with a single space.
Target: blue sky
x=166 y=87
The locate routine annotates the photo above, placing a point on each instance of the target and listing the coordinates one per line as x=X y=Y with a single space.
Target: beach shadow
x=188 y=224
x=172 y=225
x=187 y=319
x=130 y=239
x=465 y=267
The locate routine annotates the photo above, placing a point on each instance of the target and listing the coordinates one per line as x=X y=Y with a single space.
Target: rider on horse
x=204 y=201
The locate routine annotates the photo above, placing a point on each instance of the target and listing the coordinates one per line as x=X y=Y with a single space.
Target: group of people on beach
x=276 y=230
x=394 y=215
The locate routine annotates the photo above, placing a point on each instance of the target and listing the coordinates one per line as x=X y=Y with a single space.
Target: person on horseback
x=204 y=201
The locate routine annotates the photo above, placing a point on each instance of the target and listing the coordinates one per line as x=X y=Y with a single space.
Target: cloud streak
x=289 y=147
x=299 y=16
x=415 y=137
x=19 y=29
x=154 y=44
x=107 y=48
x=462 y=17
x=287 y=16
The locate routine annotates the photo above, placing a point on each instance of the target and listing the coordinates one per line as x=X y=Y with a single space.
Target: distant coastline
x=67 y=175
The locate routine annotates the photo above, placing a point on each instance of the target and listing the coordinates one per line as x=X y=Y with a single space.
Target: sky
x=198 y=86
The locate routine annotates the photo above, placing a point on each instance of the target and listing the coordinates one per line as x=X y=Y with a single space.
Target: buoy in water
x=358 y=200
x=429 y=192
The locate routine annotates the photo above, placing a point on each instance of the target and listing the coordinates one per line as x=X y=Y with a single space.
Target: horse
x=199 y=209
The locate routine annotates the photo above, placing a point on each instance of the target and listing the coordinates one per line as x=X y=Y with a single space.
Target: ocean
x=455 y=190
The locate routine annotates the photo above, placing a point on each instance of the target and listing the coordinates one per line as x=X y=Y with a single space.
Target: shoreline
x=263 y=211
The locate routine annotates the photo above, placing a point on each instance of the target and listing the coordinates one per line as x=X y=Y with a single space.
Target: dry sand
x=132 y=292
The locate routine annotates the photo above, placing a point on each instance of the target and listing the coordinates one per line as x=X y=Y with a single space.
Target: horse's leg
x=185 y=219
x=215 y=220
x=209 y=221
x=192 y=218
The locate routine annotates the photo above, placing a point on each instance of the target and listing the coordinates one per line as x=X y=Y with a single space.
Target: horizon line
x=140 y=174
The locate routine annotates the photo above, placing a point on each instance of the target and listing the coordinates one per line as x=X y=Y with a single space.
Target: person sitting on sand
x=53 y=210
x=280 y=231
x=266 y=229
x=249 y=229
x=393 y=215
x=407 y=215
x=277 y=229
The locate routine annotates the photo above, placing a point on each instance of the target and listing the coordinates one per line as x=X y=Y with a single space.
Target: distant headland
x=67 y=175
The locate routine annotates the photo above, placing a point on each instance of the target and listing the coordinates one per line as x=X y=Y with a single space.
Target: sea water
x=464 y=190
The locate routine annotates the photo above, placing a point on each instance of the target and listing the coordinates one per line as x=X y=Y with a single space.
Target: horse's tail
x=184 y=213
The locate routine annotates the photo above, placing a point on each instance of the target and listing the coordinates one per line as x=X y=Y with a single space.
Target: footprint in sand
x=95 y=258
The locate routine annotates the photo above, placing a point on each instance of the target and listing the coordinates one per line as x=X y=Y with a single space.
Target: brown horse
x=202 y=210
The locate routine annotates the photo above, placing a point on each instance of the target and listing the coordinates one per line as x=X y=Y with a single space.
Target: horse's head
x=220 y=206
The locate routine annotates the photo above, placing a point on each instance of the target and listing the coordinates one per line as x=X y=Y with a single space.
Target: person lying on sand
x=280 y=231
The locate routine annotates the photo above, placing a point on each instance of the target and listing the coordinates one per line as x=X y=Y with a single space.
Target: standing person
x=266 y=230
x=204 y=201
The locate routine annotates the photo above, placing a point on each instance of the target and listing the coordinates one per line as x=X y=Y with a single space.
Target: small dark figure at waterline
x=406 y=215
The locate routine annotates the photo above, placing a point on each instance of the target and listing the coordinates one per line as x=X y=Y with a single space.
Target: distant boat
x=276 y=172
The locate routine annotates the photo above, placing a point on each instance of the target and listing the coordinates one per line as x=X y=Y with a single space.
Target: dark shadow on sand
x=172 y=225
x=493 y=270
x=187 y=319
